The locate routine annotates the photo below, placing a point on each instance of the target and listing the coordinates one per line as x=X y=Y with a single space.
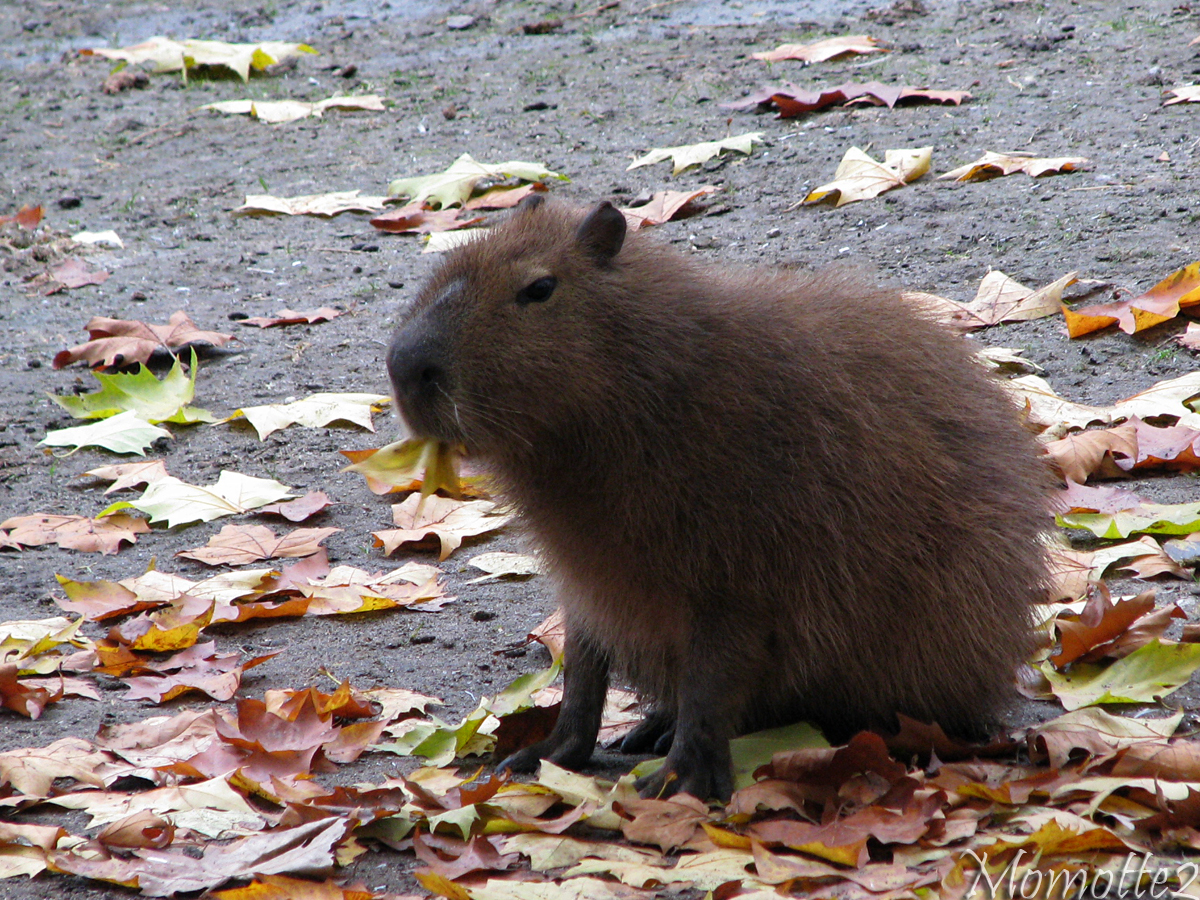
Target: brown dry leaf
x=504 y=196
x=283 y=887
x=68 y=275
x=200 y=668
x=326 y=205
x=1099 y=733
x=858 y=177
x=994 y=165
x=792 y=100
x=663 y=207
x=416 y=218
x=1079 y=456
x=142 y=829
x=299 y=509
x=1188 y=93
x=100 y=535
x=820 y=51
x=450 y=521
x=25 y=698
x=1089 y=636
x=1161 y=303
x=346 y=589
x=998 y=299
x=125 y=476
x=1190 y=338
x=27 y=217
x=292 y=317
x=123 y=342
x=1044 y=409
x=665 y=823
x=452 y=857
x=187 y=866
x=33 y=770
x=240 y=545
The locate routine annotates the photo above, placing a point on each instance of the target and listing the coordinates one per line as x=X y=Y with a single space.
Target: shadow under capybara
x=762 y=496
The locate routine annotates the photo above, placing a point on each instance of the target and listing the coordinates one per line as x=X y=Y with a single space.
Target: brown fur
x=763 y=496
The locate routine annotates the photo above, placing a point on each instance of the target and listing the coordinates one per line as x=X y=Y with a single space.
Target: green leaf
x=454 y=186
x=1155 y=518
x=124 y=433
x=694 y=154
x=153 y=400
x=179 y=502
x=1143 y=676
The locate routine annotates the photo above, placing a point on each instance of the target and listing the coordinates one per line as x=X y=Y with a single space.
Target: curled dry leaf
x=408 y=465
x=314 y=411
x=998 y=299
x=299 y=509
x=505 y=196
x=858 y=177
x=791 y=100
x=450 y=521
x=27 y=217
x=239 y=545
x=291 y=317
x=104 y=534
x=501 y=564
x=1188 y=93
x=278 y=111
x=663 y=207
x=122 y=342
x=994 y=165
x=179 y=56
x=1179 y=290
x=820 y=51
x=331 y=204
x=689 y=155
x=415 y=218
x=1044 y=409
x=68 y=275
x=455 y=185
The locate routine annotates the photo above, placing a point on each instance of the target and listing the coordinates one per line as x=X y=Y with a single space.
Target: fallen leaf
x=1046 y=409
x=121 y=342
x=998 y=299
x=1160 y=304
x=314 y=411
x=283 y=887
x=501 y=564
x=1153 y=671
x=33 y=770
x=663 y=207
x=239 y=545
x=694 y=154
x=993 y=165
x=275 y=112
x=450 y=521
x=1078 y=456
x=299 y=509
x=122 y=433
x=1093 y=634
x=140 y=392
x=792 y=101
x=416 y=219
x=858 y=177
x=109 y=238
x=198 y=668
x=504 y=196
x=820 y=51
x=454 y=186
x=179 y=502
x=179 y=56
x=71 y=274
x=27 y=217
x=1099 y=733
x=331 y=204
x=1188 y=93
x=441 y=241
x=25 y=698
x=291 y=317
x=104 y=534
x=40 y=646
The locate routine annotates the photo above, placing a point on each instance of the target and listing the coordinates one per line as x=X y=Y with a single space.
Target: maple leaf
x=858 y=177
x=275 y=112
x=505 y=196
x=140 y=392
x=663 y=207
x=33 y=770
x=820 y=51
x=314 y=411
x=1044 y=408
x=1161 y=303
x=328 y=205
x=998 y=299
x=100 y=535
x=415 y=218
x=450 y=521
x=179 y=56
x=429 y=465
x=291 y=317
x=179 y=502
x=1144 y=676
x=121 y=342
x=25 y=698
x=299 y=509
x=454 y=186
x=688 y=155
x=122 y=433
x=1188 y=93
x=239 y=545
x=501 y=564
x=197 y=668
x=346 y=589
x=27 y=217
x=994 y=165
x=71 y=274
x=37 y=647
x=1102 y=630
x=792 y=101
x=1098 y=732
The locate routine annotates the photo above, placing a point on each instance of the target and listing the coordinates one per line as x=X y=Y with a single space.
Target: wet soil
x=1053 y=79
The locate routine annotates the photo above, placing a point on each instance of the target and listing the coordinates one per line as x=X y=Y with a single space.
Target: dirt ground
x=1054 y=79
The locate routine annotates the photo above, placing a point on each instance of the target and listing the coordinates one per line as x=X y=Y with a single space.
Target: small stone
x=396 y=285
x=460 y=23
x=774 y=233
x=33 y=363
x=421 y=639
x=450 y=112
x=69 y=202
x=137 y=297
x=482 y=615
x=347 y=71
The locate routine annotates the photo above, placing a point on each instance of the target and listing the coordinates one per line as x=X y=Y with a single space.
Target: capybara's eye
x=538 y=291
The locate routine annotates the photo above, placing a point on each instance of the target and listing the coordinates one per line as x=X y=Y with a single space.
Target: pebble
x=460 y=23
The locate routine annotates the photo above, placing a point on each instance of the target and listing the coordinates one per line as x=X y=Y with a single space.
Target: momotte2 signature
x=1141 y=876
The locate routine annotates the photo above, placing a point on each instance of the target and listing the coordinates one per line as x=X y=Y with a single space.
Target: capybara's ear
x=602 y=233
